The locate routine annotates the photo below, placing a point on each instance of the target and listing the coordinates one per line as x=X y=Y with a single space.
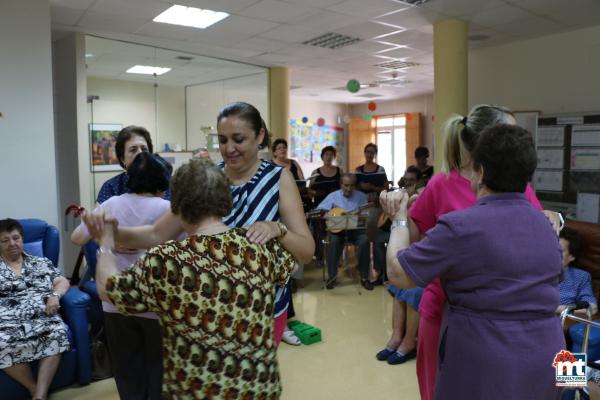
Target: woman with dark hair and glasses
x=499 y=263
x=131 y=141
x=134 y=341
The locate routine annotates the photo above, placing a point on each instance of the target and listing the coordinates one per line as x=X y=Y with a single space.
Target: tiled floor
x=355 y=325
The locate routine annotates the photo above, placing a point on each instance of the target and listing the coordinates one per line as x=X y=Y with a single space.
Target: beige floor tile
x=355 y=324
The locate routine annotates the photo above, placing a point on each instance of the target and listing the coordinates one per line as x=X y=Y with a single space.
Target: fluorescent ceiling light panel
x=190 y=16
x=147 y=70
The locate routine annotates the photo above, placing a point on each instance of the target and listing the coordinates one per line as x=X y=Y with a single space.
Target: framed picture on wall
x=103 y=138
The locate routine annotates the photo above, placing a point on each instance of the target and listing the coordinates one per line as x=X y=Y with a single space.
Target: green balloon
x=368 y=116
x=353 y=86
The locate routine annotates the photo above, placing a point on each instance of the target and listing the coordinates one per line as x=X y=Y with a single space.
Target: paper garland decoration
x=320 y=121
x=372 y=106
x=368 y=116
x=304 y=120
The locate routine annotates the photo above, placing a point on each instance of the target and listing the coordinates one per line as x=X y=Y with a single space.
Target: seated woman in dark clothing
x=422 y=159
x=576 y=286
x=30 y=326
x=499 y=263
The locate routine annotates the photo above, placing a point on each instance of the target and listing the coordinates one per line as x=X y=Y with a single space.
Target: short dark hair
x=507 y=155
x=328 y=148
x=9 y=225
x=277 y=142
x=127 y=133
x=249 y=114
x=421 y=151
x=373 y=145
x=148 y=173
x=200 y=189
x=575 y=241
x=414 y=170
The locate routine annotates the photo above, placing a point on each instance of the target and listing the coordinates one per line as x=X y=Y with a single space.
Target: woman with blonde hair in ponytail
x=447 y=191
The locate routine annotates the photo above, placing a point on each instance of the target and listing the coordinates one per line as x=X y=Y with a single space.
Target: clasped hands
x=394 y=204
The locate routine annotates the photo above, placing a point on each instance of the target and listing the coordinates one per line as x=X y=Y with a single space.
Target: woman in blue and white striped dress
x=265 y=198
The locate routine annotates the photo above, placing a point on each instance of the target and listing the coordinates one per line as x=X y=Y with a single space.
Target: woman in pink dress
x=447 y=191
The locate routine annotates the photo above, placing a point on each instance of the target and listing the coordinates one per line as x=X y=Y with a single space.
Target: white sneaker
x=290 y=337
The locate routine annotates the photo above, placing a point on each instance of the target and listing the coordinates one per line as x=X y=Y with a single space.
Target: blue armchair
x=41 y=239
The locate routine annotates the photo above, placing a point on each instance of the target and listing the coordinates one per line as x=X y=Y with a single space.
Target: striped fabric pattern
x=257 y=199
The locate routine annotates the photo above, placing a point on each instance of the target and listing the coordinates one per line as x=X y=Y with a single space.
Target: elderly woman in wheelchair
x=30 y=326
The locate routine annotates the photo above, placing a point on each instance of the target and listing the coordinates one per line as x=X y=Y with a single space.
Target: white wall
x=132 y=103
x=204 y=101
x=27 y=149
x=552 y=74
x=422 y=103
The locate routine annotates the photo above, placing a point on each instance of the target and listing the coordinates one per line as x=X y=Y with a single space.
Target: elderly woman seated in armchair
x=30 y=327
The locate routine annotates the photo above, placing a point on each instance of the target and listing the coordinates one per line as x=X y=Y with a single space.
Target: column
x=279 y=102
x=450 y=58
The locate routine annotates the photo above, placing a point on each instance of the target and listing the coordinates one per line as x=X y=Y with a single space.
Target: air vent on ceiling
x=393 y=82
x=397 y=64
x=332 y=41
x=184 y=58
x=412 y=2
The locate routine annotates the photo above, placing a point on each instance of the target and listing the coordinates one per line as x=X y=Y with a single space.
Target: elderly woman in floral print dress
x=30 y=327
x=213 y=292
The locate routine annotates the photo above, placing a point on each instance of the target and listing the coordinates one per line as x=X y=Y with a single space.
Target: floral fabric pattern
x=27 y=333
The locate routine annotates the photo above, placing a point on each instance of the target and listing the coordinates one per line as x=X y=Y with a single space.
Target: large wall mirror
x=178 y=106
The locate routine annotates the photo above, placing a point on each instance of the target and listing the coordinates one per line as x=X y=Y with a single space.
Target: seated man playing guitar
x=344 y=201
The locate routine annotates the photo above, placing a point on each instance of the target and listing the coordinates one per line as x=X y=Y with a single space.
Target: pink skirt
x=279 y=328
x=427 y=357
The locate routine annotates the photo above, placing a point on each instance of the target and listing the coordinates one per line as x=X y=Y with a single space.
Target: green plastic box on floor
x=307 y=334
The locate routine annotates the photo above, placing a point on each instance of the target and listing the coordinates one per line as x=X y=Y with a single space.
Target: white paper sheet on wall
x=551 y=158
x=585 y=135
x=548 y=180
x=585 y=158
x=551 y=136
x=588 y=207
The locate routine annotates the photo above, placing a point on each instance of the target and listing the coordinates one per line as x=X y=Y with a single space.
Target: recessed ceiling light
x=147 y=70
x=190 y=16
x=88 y=55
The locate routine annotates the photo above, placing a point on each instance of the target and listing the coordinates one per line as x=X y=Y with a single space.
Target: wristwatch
x=399 y=222
x=283 y=230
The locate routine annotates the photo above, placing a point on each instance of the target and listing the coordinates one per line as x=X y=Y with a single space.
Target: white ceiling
x=271 y=32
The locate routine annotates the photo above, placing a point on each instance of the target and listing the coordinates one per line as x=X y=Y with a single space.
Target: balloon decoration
x=372 y=106
x=409 y=116
x=347 y=119
x=353 y=86
x=320 y=121
x=368 y=116
x=304 y=120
